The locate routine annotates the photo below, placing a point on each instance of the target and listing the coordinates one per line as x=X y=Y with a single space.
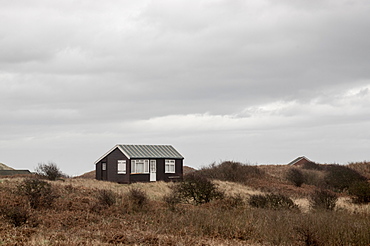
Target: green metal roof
x=150 y=151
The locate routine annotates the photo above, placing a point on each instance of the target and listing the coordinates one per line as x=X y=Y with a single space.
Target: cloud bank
x=253 y=81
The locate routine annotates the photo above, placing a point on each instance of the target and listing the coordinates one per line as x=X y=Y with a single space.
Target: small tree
x=198 y=189
x=51 y=171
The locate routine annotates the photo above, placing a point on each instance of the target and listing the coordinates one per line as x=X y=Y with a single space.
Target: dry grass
x=77 y=218
x=233 y=189
x=155 y=190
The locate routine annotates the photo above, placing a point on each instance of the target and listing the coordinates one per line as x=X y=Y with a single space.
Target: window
x=104 y=166
x=140 y=166
x=121 y=166
x=169 y=166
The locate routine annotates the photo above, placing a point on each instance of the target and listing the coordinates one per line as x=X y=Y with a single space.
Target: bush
x=16 y=215
x=311 y=166
x=360 y=192
x=51 y=171
x=314 y=177
x=323 y=199
x=231 y=171
x=172 y=199
x=340 y=177
x=106 y=198
x=198 y=189
x=307 y=235
x=38 y=192
x=295 y=176
x=235 y=201
x=272 y=201
x=137 y=200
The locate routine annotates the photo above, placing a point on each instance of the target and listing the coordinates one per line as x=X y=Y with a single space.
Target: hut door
x=153 y=170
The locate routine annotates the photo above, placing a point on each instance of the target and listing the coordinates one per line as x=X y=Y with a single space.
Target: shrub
x=106 y=198
x=311 y=166
x=51 y=171
x=16 y=215
x=323 y=199
x=360 y=192
x=198 y=189
x=171 y=200
x=272 y=201
x=314 y=177
x=137 y=200
x=235 y=201
x=341 y=177
x=295 y=176
x=307 y=235
x=14 y=209
x=38 y=192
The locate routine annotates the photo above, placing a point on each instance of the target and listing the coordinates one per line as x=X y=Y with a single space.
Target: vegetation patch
x=136 y=200
x=86 y=212
x=272 y=201
x=312 y=166
x=197 y=189
x=106 y=198
x=231 y=171
x=360 y=191
x=339 y=177
x=323 y=199
x=50 y=171
x=295 y=176
x=38 y=192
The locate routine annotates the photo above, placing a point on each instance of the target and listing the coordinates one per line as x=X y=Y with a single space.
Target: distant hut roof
x=298 y=159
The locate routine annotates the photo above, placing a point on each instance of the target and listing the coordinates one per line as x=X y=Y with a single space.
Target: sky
x=257 y=81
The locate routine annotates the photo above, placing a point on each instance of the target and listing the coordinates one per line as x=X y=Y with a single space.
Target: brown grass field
x=79 y=216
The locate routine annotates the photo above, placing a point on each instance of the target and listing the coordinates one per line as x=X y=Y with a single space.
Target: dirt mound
x=188 y=169
x=5 y=167
x=88 y=175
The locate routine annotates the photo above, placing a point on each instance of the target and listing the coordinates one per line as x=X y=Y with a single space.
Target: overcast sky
x=258 y=81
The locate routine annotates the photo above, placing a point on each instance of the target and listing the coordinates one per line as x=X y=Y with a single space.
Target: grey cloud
x=206 y=71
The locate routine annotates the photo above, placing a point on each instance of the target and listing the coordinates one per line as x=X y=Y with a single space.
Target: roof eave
x=110 y=151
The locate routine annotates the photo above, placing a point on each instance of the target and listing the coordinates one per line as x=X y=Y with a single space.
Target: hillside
x=84 y=211
x=5 y=167
x=91 y=212
x=88 y=175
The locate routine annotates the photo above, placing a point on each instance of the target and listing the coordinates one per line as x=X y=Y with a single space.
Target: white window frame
x=135 y=163
x=170 y=166
x=104 y=166
x=121 y=167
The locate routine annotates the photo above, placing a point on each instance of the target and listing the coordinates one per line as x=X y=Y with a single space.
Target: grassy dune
x=81 y=214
